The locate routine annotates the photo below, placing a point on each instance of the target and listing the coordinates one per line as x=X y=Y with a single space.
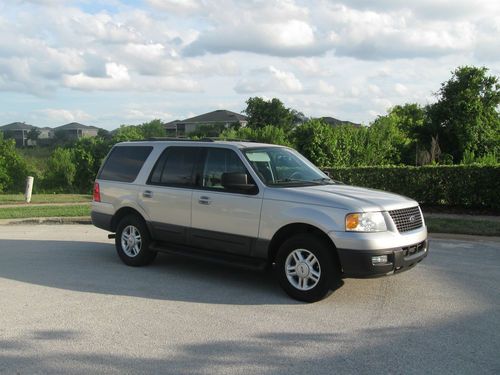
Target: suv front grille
x=407 y=219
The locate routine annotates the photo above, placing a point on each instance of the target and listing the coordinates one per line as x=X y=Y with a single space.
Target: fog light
x=379 y=259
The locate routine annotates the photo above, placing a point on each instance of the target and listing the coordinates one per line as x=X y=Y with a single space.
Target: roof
x=17 y=126
x=220 y=115
x=335 y=122
x=74 y=126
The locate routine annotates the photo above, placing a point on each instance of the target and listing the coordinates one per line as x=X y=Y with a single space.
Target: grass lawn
x=463 y=226
x=44 y=211
x=45 y=198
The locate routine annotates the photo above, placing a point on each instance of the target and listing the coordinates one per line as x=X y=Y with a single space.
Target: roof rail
x=179 y=139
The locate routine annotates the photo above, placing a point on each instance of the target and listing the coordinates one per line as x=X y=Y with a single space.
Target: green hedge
x=469 y=186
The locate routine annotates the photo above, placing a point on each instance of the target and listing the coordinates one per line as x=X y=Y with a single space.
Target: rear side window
x=175 y=167
x=124 y=163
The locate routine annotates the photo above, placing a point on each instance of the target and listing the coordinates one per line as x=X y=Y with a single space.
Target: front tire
x=132 y=242
x=305 y=267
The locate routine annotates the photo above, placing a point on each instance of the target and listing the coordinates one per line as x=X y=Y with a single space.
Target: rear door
x=168 y=193
x=223 y=220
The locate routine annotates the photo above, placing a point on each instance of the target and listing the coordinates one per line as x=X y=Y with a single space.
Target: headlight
x=365 y=222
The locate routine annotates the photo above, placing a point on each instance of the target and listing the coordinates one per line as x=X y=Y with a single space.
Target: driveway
x=68 y=305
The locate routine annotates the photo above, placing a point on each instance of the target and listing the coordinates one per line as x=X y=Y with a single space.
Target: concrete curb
x=47 y=220
x=462 y=237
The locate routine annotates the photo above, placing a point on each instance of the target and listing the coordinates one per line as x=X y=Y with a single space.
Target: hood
x=352 y=198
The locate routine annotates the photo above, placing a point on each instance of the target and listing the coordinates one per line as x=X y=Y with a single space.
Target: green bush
x=13 y=168
x=61 y=171
x=468 y=186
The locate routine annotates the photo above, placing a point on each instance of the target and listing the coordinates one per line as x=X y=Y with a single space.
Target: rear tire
x=132 y=242
x=306 y=268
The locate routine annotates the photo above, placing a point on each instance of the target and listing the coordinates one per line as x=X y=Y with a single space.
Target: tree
x=153 y=129
x=128 y=133
x=61 y=171
x=386 y=142
x=268 y=134
x=13 y=168
x=314 y=140
x=87 y=156
x=398 y=135
x=466 y=115
x=262 y=112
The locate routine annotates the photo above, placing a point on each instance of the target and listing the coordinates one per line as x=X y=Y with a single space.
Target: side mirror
x=236 y=181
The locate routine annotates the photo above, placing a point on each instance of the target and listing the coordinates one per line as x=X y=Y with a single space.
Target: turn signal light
x=352 y=221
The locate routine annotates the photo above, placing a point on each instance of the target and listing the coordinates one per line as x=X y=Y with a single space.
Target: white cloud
x=325 y=88
x=59 y=116
x=117 y=77
x=324 y=57
x=269 y=80
x=177 y=6
x=400 y=89
x=144 y=115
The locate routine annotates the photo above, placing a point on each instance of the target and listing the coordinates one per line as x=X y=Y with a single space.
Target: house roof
x=336 y=122
x=220 y=115
x=17 y=126
x=74 y=126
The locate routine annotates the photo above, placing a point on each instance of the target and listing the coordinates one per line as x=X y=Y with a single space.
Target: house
x=74 y=130
x=219 y=117
x=335 y=122
x=19 y=132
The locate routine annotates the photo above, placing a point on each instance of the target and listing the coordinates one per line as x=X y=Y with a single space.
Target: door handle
x=204 y=200
x=147 y=194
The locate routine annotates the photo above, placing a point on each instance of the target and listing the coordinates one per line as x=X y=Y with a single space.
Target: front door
x=224 y=220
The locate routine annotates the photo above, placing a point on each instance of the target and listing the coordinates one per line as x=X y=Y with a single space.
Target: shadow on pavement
x=95 y=267
x=443 y=348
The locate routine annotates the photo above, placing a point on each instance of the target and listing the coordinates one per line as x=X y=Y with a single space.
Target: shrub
x=468 y=186
x=61 y=171
x=13 y=168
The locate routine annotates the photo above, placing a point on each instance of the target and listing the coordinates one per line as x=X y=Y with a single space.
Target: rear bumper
x=358 y=263
x=101 y=220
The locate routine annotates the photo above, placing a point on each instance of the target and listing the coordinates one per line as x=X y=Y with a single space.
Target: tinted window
x=175 y=167
x=124 y=163
x=217 y=162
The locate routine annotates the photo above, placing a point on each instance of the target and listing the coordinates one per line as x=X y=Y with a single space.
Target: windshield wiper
x=295 y=181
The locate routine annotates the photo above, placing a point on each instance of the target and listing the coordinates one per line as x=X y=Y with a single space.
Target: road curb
x=47 y=220
x=462 y=237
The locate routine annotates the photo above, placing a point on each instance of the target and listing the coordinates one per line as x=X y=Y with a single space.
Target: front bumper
x=358 y=263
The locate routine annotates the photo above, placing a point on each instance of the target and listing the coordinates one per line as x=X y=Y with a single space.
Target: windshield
x=278 y=166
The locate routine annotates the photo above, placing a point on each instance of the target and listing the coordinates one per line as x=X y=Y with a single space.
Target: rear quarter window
x=124 y=163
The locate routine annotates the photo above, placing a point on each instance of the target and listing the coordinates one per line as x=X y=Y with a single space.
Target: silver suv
x=255 y=205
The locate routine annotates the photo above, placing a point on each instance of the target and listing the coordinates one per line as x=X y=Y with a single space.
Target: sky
x=113 y=62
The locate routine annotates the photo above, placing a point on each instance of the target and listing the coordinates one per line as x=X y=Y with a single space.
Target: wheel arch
x=289 y=230
x=123 y=212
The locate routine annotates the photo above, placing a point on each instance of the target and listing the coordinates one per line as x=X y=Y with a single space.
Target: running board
x=211 y=256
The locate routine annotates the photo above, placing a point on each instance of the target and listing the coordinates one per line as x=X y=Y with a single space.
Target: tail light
x=97 y=193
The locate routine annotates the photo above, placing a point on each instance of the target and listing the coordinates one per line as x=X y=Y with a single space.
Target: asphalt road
x=68 y=305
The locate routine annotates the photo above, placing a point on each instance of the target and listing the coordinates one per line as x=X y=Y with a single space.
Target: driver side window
x=217 y=162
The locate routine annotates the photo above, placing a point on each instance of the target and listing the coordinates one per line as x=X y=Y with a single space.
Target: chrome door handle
x=204 y=200
x=147 y=194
